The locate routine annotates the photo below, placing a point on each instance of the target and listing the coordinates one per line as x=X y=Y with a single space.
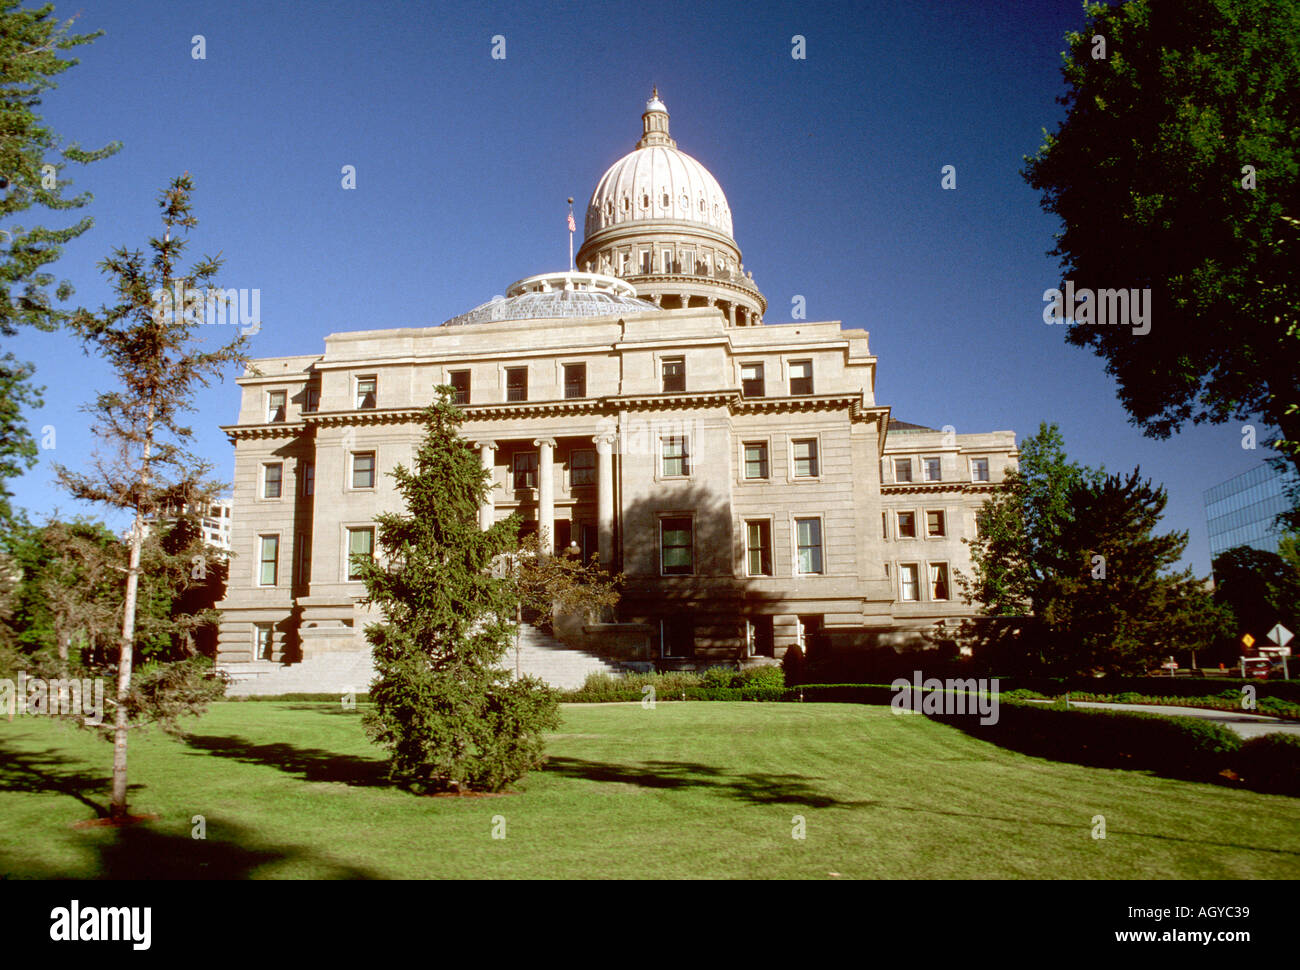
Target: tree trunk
x=117 y=809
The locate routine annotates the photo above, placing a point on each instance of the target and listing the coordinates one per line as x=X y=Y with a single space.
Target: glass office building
x=1242 y=511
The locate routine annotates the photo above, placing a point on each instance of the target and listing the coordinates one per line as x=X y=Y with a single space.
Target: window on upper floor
x=938 y=581
x=272 y=479
x=801 y=377
x=575 y=380
x=367 y=392
x=582 y=467
x=459 y=381
x=361 y=547
x=751 y=380
x=805 y=457
x=276 y=406
x=673 y=370
x=756 y=460
x=307 y=473
x=312 y=402
x=902 y=470
x=268 y=560
x=808 y=539
x=363 y=469
x=935 y=523
x=676 y=546
x=758 y=547
x=979 y=469
x=525 y=469
x=931 y=469
x=908 y=590
x=906 y=525
x=516 y=383
x=676 y=455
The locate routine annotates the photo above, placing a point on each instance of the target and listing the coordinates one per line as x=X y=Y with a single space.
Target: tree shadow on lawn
x=311 y=764
x=757 y=789
x=137 y=851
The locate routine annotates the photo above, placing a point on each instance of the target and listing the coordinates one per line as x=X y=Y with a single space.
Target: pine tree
x=30 y=42
x=148 y=472
x=444 y=706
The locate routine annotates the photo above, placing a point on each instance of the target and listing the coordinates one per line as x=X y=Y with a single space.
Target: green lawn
x=292 y=790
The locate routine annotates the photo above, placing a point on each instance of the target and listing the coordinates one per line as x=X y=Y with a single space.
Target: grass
x=698 y=790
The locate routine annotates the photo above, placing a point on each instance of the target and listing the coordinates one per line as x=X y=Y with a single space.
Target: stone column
x=487 y=458
x=731 y=313
x=605 y=499
x=546 y=493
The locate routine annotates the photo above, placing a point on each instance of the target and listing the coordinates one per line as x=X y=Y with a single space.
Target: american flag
x=572 y=227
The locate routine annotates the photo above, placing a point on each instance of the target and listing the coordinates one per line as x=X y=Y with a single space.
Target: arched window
x=645 y=200
x=667 y=201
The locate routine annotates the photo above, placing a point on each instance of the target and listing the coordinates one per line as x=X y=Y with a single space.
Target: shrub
x=765 y=676
x=1271 y=763
x=719 y=677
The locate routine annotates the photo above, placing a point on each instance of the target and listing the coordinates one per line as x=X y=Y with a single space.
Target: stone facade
x=742 y=476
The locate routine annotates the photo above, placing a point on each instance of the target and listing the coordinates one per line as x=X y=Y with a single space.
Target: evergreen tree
x=444 y=705
x=1109 y=600
x=148 y=471
x=30 y=42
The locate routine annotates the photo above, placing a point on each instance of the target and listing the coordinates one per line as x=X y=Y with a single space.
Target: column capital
x=480 y=445
x=548 y=442
x=606 y=438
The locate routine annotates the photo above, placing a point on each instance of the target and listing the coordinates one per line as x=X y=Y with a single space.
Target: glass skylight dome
x=553 y=296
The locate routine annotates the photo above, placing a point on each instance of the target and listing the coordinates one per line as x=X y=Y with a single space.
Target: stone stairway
x=334 y=673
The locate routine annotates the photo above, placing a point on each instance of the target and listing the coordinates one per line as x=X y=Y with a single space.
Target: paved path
x=1246 y=725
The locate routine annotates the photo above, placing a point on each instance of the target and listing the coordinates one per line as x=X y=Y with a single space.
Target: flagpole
x=571 y=266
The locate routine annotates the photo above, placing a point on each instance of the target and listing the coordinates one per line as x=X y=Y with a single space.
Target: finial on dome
x=655 y=122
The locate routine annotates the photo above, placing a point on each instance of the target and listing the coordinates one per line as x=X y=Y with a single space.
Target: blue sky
x=831 y=165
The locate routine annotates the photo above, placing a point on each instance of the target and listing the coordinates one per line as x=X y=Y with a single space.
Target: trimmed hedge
x=1182 y=747
x=1271 y=763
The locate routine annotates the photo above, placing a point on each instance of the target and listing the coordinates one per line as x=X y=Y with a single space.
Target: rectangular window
x=805 y=457
x=459 y=381
x=361 y=545
x=907 y=590
x=645 y=261
x=525 y=468
x=262 y=641
x=906 y=525
x=367 y=391
x=363 y=469
x=272 y=479
x=801 y=377
x=931 y=468
x=304 y=558
x=313 y=400
x=668 y=261
x=756 y=459
x=935 y=524
x=676 y=456
x=516 y=383
x=275 y=406
x=677 y=636
x=751 y=380
x=582 y=467
x=575 y=379
x=884 y=525
x=808 y=537
x=268 y=560
x=676 y=553
x=758 y=547
x=674 y=374
x=307 y=471
x=979 y=469
x=938 y=581
x=902 y=470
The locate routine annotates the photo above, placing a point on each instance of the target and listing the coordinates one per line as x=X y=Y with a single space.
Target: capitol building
x=740 y=473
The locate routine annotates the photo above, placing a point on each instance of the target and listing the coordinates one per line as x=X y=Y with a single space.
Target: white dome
x=636 y=186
